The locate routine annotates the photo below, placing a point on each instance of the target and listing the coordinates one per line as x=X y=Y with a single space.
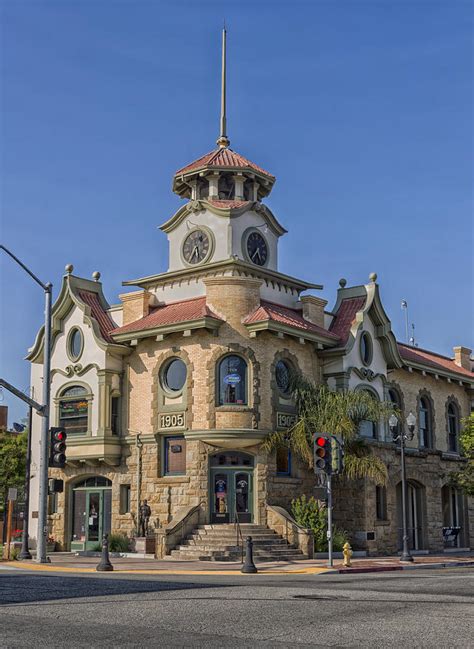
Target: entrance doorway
x=415 y=515
x=91 y=512
x=455 y=515
x=231 y=487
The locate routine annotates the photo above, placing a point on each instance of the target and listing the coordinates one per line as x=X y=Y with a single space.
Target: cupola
x=223 y=174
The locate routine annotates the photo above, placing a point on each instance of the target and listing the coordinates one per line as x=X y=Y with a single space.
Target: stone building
x=168 y=395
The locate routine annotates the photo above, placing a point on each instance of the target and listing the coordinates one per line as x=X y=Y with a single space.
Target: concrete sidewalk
x=67 y=562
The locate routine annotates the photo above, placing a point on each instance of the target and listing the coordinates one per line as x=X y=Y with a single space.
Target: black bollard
x=249 y=566
x=105 y=564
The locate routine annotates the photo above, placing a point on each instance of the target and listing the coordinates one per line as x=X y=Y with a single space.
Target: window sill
x=381 y=523
x=172 y=479
x=234 y=408
x=286 y=479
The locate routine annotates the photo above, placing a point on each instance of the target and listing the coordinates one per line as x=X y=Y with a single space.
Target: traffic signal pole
x=329 y=532
x=43 y=410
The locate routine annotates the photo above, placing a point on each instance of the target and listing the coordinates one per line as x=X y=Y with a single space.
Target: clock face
x=196 y=247
x=257 y=248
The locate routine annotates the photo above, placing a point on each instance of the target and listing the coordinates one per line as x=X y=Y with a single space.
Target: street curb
x=304 y=571
x=419 y=566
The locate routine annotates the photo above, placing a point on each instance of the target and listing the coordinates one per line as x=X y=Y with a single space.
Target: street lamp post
x=43 y=467
x=403 y=436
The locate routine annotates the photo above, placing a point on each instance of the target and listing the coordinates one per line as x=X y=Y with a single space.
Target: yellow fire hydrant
x=347 y=552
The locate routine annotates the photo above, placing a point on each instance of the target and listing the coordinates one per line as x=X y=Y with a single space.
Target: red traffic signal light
x=57 y=448
x=322 y=454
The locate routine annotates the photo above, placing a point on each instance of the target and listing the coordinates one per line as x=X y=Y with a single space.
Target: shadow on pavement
x=20 y=589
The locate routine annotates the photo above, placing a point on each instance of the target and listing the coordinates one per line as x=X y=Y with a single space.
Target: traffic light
x=322 y=454
x=57 y=448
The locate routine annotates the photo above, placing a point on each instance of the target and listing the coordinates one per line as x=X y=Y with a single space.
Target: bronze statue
x=144 y=517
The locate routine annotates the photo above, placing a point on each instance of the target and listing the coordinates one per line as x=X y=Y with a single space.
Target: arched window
x=425 y=423
x=232 y=372
x=74 y=410
x=396 y=400
x=453 y=427
x=368 y=428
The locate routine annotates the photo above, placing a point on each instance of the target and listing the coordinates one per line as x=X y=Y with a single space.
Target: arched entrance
x=91 y=512
x=455 y=515
x=231 y=487
x=416 y=515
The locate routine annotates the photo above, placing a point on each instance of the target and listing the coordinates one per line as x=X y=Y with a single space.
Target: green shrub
x=313 y=514
x=118 y=543
x=97 y=547
x=14 y=553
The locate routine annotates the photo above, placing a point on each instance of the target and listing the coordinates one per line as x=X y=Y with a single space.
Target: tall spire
x=223 y=141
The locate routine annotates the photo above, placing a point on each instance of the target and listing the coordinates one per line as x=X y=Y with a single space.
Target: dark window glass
x=98 y=481
x=75 y=343
x=282 y=375
x=283 y=460
x=175 y=456
x=368 y=428
x=232 y=458
x=125 y=492
x=453 y=426
x=425 y=423
x=381 y=503
x=79 y=516
x=114 y=415
x=73 y=413
x=174 y=376
x=366 y=348
x=394 y=398
x=233 y=381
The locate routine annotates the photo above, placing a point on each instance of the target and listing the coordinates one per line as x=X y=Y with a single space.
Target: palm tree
x=322 y=410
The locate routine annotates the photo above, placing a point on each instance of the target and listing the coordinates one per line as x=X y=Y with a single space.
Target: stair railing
x=239 y=537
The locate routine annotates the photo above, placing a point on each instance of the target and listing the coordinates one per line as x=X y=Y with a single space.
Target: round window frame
x=69 y=352
x=289 y=366
x=365 y=336
x=245 y=237
x=163 y=383
x=210 y=252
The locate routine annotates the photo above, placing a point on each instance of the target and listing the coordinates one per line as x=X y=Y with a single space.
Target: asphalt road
x=423 y=608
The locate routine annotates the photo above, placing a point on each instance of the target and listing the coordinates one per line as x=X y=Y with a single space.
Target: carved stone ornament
x=367 y=373
x=195 y=206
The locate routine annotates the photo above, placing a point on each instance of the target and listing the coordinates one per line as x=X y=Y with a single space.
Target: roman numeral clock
x=197 y=246
x=257 y=249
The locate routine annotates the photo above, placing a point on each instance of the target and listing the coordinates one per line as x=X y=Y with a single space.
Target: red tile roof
x=105 y=322
x=431 y=359
x=225 y=158
x=345 y=316
x=171 y=313
x=285 y=315
x=228 y=204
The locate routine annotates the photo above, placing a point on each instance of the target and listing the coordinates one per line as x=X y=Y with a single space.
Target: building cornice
x=234 y=266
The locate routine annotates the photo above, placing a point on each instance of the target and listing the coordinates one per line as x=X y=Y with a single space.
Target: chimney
x=462 y=357
x=313 y=309
x=3 y=418
x=136 y=305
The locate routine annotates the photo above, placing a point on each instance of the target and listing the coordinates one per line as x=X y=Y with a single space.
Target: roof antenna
x=223 y=141
x=412 y=339
x=404 y=306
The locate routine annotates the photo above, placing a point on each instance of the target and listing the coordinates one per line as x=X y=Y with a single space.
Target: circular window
x=75 y=344
x=366 y=348
x=174 y=375
x=282 y=376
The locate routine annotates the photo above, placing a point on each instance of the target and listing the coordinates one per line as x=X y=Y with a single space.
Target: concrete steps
x=219 y=543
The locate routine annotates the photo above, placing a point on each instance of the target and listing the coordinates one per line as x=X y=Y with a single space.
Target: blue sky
x=362 y=110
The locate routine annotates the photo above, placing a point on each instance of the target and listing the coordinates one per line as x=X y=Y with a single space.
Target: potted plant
x=50 y=543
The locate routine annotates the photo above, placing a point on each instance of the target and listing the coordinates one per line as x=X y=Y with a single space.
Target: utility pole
x=43 y=410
